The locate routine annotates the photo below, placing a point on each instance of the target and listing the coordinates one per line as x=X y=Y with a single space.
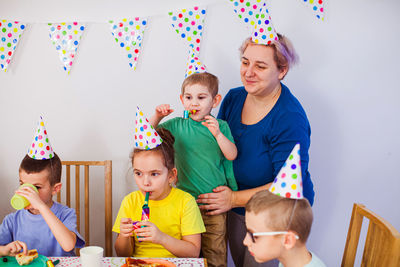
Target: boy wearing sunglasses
x=279 y=220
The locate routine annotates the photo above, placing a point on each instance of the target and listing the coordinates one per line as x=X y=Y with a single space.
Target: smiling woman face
x=258 y=70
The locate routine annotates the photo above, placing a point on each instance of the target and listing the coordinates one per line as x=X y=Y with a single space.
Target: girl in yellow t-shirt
x=175 y=225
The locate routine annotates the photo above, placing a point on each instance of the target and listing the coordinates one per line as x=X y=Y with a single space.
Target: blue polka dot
x=2 y=57
x=122 y=44
x=283 y=185
x=264 y=36
x=131 y=22
x=144 y=22
x=114 y=27
x=236 y=4
x=129 y=55
x=284 y=164
x=65 y=68
x=188 y=29
x=293 y=166
x=246 y=20
x=250 y=12
x=203 y=11
x=130 y=64
x=3 y=39
x=275 y=180
x=58 y=47
x=9 y=24
x=183 y=35
x=82 y=28
x=15 y=41
x=76 y=43
x=141 y=128
x=256 y=34
x=267 y=22
x=22 y=27
x=174 y=18
x=69 y=27
x=315 y=8
x=52 y=29
x=190 y=13
x=200 y=27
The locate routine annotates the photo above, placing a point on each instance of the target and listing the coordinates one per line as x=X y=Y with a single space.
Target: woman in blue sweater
x=266 y=121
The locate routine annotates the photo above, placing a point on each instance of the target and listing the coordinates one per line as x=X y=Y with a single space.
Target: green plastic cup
x=19 y=202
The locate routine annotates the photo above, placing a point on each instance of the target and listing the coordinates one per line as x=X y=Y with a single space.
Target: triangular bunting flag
x=254 y=13
x=66 y=37
x=317 y=6
x=128 y=33
x=10 y=33
x=188 y=24
x=40 y=148
x=288 y=183
x=146 y=137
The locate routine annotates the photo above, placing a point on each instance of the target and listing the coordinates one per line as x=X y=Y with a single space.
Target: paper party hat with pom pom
x=40 y=148
x=146 y=137
x=288 y=183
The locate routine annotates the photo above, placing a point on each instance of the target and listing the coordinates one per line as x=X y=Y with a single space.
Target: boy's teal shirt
x=199 y=160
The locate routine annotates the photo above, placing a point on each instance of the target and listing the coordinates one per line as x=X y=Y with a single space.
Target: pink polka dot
x=283 y=175
x=42 y=152
x=153 y=140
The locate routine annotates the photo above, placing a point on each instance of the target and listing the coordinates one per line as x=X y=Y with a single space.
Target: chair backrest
x=382 y=244
x=107 y=197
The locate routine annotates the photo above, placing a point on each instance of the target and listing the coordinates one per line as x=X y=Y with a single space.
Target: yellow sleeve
x=125 y=211
x=192 y=222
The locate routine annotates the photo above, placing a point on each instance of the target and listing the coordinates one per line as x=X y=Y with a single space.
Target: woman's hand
x=126 y=227
x=220 y=201
x=212 y=124
x=149 y=232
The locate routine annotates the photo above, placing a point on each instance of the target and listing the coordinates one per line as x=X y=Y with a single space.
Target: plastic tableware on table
x=92 y=256
x=12 y=262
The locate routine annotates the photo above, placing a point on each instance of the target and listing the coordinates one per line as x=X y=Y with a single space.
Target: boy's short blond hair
x=280 y=209
x=206 y=79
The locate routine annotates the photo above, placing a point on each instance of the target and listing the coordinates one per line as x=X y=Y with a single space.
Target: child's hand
x=126 y=227
x=32 y=196
x=163 y=110
x=212 y=124
x=13 y=248
x=149 y=233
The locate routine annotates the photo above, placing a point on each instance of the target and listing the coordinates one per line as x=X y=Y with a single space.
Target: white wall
x=347 y=82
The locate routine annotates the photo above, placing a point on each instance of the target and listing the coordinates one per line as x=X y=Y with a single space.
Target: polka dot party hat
x=128 y=34
x=288 y=183
x=194 y=65
x=40 y=148
x=317 y=6
x=146 y=137
x=66 y=37
x=254 y=13
x=10 y=33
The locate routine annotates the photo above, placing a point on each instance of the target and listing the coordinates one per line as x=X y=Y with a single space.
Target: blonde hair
x=206 y=79
x=284 y=54
x=284 y=214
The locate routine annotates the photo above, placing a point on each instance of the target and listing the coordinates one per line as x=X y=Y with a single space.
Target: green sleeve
x=228 y=166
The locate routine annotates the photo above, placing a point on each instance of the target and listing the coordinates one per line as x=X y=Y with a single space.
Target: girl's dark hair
x=53 y=165
x=166 y=149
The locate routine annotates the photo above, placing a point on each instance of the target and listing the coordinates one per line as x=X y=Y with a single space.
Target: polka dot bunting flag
x=317 y=6
x=146 y=137
x=188 y=24
x=128 y=33
x=256 y=16
x=10 y=32
x=288 y=183
x=40 y=148
x=66 y=38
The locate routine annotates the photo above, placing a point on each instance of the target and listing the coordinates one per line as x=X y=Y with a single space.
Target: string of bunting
x=128 y=33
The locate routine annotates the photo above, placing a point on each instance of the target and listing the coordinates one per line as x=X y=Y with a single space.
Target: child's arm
x=64 y=237
x=161 y=112
x=124 y=245
x=188 y=247
x=13 y=248
x=227 y=147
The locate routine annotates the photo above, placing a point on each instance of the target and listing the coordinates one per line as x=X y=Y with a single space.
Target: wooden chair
x=382 y=244
x=107 y=197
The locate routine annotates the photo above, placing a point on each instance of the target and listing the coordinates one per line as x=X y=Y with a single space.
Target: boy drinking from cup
x=44 y=224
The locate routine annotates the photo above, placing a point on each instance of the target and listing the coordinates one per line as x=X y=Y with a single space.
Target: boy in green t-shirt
x=204 y=152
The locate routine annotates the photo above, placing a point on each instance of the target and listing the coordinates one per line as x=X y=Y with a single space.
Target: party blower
x=145 y=212
x=186 y=113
